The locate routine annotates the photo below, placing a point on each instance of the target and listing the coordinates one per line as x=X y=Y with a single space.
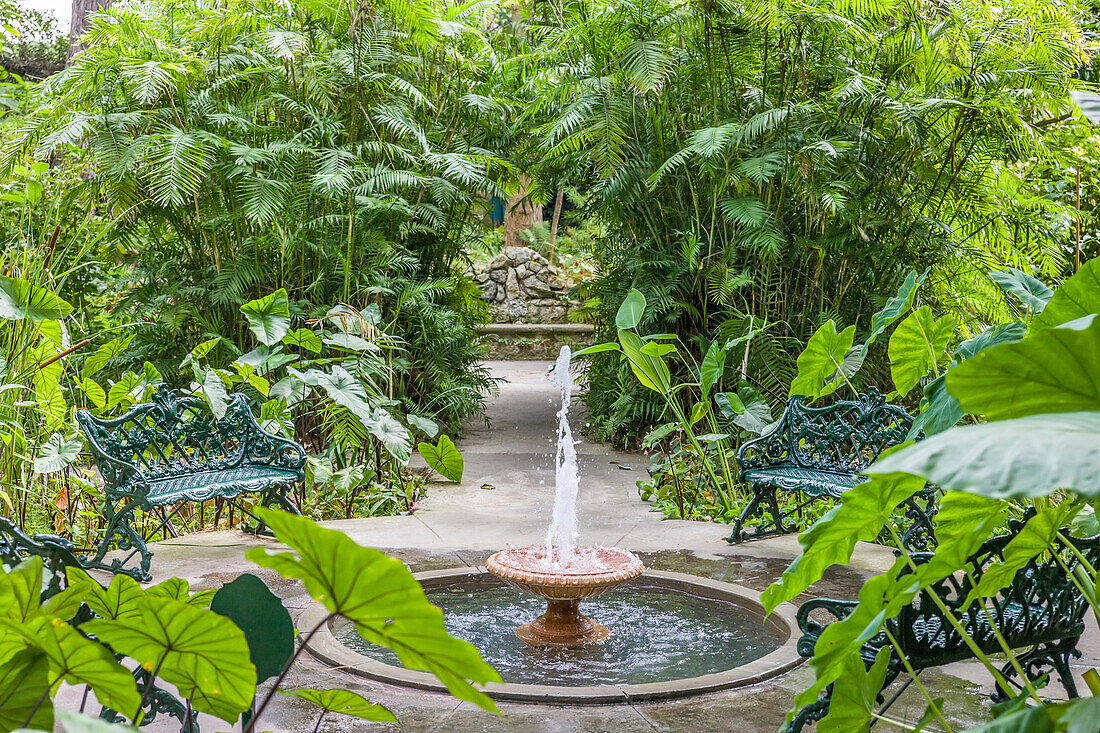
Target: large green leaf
x=203 y=654
x=19 y=590
x=94 y=363
x=380 y=596
x=917 y=345
x=940 y=410
x=1053 y=370
x=121 y=599
x=23 y=679
x=757 y=413
x=860 y=516
x=1033 y=294
x=444 y=458
x=649 y=368
x=710 y=371
x=630 y=312
x=1076 y=298
x=425 y=425
x=345 y=390
x=213 y=389
x=21 y=300
x=1028 y=720
x=304 y=338
x=897 y=305
x=179 y=589
x=853 y=702
x=344 y=702
x=262 y=618
x=821 y=363
x=393 y=436
x=268 y=317
x=1027 y=456
x=78 y=660
x=838 y=646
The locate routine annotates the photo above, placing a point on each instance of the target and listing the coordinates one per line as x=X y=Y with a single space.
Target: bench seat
x=206 y=485
x=815 y=482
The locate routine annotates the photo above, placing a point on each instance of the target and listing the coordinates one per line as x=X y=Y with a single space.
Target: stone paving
x=504 y=500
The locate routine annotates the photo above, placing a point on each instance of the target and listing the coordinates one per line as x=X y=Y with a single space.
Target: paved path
x=462 y=524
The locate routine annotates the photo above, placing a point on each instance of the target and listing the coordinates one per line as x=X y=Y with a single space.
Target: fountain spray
x=562 y=532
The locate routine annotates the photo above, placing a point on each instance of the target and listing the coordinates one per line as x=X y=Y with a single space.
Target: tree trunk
x=554 y=222
x=82 y=9
x=519 y=215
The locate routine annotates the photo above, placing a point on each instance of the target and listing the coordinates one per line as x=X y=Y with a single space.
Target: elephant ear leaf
x=1076 y=298
x=262 y=618
x=444 y=458
x=1033 y=294
x=23 y=677
x=57 y=453
x=23 y=300
x=344 y=702
x=268 y=317
x=380 y=596
x=204 y=655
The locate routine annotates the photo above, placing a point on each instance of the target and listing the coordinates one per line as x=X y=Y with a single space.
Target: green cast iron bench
x=173 y=450
x=819 y=452
x=1041 y=612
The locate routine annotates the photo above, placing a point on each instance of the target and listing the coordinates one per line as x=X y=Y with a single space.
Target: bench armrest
x=812 y=629
x=766 y=449
x=262 y=447
x=119 y=476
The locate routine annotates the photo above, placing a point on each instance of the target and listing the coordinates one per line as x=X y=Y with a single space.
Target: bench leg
x=275 y=495
x=761 y=494
x=1055 y=655
x=119 y=524
x=810 y=714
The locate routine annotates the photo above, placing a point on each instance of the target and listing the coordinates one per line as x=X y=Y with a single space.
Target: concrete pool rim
x=324 y=646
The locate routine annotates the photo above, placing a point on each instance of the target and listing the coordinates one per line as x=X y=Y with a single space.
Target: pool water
x=657 y=634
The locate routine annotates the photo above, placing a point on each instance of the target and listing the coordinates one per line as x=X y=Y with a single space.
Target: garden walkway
x=504 y=500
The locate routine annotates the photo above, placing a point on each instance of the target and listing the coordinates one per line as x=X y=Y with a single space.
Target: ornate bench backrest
x=1041 y=602
x=173 y=435
x=844 y=437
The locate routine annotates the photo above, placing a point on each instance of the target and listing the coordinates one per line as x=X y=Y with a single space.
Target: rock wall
x=523 y=287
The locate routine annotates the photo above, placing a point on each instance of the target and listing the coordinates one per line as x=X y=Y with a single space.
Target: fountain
x=666 y=635
x=558 y=570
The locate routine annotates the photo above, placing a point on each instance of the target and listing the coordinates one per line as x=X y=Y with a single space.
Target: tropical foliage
x=794 y=162
x=214 y=646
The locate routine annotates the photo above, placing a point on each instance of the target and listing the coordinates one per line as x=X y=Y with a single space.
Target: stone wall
x=523 y=287
x=528 y=307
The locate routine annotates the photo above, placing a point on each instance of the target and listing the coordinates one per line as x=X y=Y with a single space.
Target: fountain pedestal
x=598 y=570
x=562 y=625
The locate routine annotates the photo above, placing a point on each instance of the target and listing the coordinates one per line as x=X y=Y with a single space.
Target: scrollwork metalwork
x=172 y=450
x=817 y=452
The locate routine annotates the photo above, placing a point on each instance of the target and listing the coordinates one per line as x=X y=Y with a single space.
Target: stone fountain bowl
x=524 y=568
x=598 y=570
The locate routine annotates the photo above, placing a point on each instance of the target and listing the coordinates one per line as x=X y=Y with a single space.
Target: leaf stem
x=286 y=668
x=916 y=680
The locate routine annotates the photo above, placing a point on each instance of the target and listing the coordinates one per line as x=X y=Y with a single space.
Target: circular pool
x=671 y=635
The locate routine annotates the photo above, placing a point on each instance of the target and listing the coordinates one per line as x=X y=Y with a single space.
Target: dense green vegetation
x=772 y=198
